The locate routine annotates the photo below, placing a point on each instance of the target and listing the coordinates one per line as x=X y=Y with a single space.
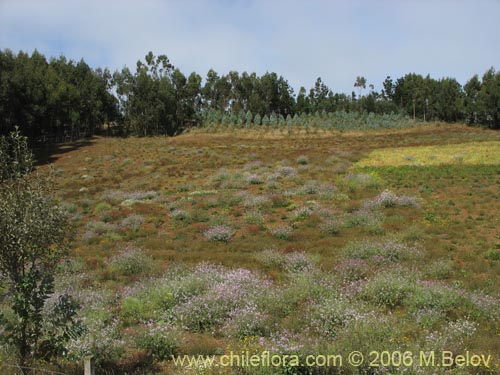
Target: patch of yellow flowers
x=471 y=153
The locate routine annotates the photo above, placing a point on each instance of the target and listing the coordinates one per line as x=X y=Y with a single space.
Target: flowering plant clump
x=250 y=200
x=301 y=213
x=254 y=217
x=254 y=179
x=227 y=291
x=161 y=340
x=330 y=315
x=388 y=199
x=298 y=262
x=282 y=232
x=133 y=222
x=179 y=214
x=330 y=226
x=287 y=171
x=353 y=269
x=247 y=321
x=310 y=187
x=382 y=251
x=131 y=261
x=100 y=339
x=219 y=233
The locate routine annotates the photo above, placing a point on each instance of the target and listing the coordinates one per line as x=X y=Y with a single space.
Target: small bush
x=254 y=217
x=254 y=179
x=287 y=171
x=247 y=322
x=219 y=233
x=389 y=290
x=356 y=181
x=386 y=251
x=301 y=213
x=331 y=226
x=332 y=314
x=102 y=207
x=179 y=214
x=282 y=232
x=160 y=340
x=303 y=160
x=440 y=269
x=310 y=187
x=133 y=222
x=364 y=217
x=353 y=269
x=130 y=262
x=388 y=199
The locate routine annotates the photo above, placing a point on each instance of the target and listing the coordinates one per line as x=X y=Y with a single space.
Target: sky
x=301 y=40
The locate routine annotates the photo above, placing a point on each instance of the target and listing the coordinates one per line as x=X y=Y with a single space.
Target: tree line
x=59 y=99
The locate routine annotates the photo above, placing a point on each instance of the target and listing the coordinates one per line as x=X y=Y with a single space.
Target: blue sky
x=301 y=40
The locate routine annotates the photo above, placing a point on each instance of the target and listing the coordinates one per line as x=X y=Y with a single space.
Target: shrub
x=219 y=233
x=160 y=340
x=303 y=160
x=227 y=290
x=331 y=314
x=291 y=262
x=179 y=214
x=389 y=290
x=102 y=207
x=282 y=232
x=434 y=296
x=357 y=181
x=254 y=217
x=363 y=217
x=301 y=213
x=382 y=251
x=254 y=179
x=287 y=171
x=297 y=262
x=310 y=187
x=133 y=222
x=100 y=339
x=388 y=199
x=131 y=261
x=222 y=175
x=330 y=226
x=97 y=228
x=440 y=269
x=353 y=269
x=247 y=321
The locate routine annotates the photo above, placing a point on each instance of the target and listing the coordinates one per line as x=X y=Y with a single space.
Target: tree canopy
x=58 y=99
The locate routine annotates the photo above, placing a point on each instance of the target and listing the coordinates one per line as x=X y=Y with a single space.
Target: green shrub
x=303 y=160
x=102 y=207
x=131 y=262
x=160 y=340
x=388 y=290
x=331 y=314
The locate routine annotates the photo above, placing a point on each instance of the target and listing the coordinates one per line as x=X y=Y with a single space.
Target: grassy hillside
x=320 y=243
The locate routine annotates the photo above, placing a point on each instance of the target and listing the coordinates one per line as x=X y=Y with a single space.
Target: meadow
x=308 y=243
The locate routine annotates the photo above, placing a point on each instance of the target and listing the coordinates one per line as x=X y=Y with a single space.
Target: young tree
x=33 y=240
x=360 y=84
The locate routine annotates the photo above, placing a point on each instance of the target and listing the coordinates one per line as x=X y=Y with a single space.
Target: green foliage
x=160 y=340
x=16 y=161
x=131 y=262
x=102 y=207
x=34 y=233
x=53 y=99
